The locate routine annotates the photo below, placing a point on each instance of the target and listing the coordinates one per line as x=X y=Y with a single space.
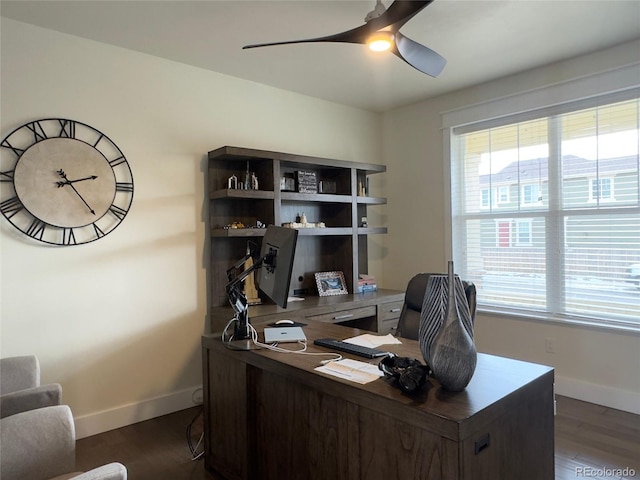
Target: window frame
x=587 y=92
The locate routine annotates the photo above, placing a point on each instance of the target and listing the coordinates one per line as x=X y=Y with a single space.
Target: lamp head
x=381 y=41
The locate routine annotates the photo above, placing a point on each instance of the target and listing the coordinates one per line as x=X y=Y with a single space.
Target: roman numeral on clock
x=68 y=237
x=124 y=187
x=67 y=128
x=37 y=130
x=18 y=151
x=98 y=231
x=11 y=206
x=117 y=161
x=117 y=212
x=6 y=176
x=36 y=229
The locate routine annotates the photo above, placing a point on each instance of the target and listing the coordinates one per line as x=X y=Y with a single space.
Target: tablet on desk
x=284 y=334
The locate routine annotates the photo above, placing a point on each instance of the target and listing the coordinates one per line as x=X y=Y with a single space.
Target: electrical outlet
x=196 y=396
x=550 y=345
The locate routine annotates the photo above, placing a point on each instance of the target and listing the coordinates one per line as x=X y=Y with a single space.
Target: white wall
x=591 y=364
x=118 y=322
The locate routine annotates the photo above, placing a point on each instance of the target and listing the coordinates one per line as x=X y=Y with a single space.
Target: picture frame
x=331 y=283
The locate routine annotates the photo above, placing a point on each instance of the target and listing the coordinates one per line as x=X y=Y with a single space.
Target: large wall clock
x=63 y=182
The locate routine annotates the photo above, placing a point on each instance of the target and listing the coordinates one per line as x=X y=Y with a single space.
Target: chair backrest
x=409 y=321
x=18 y=373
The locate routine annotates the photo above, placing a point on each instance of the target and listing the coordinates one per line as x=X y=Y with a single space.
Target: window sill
x=575 y=321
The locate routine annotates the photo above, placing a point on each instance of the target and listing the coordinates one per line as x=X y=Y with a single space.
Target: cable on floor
x=194 y=449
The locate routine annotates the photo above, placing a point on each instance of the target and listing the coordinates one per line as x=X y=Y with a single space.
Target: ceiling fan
x=381 y=32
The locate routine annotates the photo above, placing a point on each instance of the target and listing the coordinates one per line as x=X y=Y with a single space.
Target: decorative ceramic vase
x=446 y=331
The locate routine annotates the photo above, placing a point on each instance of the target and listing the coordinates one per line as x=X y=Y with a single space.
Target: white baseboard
x=599 y=394
x=99 y=422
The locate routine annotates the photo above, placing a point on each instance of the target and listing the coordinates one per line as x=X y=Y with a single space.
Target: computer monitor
x=278 y=252
x=275 y=265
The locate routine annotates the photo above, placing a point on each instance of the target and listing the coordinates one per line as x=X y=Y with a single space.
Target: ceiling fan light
x=380 y=41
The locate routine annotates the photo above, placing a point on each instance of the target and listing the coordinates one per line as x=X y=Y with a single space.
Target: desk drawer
x=345 y=315
x=388 y=315
x=391 y=310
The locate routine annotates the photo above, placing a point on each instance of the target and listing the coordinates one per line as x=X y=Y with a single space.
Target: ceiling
x=481 y=39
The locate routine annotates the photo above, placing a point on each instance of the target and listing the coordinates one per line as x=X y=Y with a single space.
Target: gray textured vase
x=446 y=332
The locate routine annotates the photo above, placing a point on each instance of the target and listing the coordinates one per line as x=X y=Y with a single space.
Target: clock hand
x=67 y=182
x=83 y=200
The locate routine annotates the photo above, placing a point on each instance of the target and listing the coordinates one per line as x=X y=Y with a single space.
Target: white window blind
x=546 y=213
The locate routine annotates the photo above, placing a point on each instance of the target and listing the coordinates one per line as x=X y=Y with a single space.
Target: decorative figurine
x=247 y=178
x=250 y=290
x=232 y=182
x=254 y=181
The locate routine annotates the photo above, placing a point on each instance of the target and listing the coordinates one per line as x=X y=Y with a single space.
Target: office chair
x=409 y=322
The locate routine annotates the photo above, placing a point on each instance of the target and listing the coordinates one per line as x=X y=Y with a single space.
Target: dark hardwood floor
x=591 y=442
x=156 y=449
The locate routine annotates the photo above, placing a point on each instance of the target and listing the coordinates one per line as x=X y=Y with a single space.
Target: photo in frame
x=331 y=283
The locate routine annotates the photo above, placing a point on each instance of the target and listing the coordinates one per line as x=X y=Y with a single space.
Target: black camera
x=409 y=372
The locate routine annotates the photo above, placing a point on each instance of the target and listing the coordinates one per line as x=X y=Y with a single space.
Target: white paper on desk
x=373 y=341
x=353 y=370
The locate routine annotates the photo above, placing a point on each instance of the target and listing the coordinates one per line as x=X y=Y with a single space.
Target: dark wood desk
x=269 y=415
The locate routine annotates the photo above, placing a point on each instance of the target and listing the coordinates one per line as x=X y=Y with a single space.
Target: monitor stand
x=238 y=299
x=242 y=339
x=244 y=345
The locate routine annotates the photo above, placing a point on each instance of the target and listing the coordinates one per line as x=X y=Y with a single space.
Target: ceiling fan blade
x=398 y=13
x=418 y=56
x=355 y=35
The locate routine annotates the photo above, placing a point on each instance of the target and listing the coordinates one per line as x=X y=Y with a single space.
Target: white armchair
x=40 y=445
x=37 y=434
x=20 y=388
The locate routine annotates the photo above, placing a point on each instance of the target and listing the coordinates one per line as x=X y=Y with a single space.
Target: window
x=502 y=194
x=600 y=190
x=523 y=232
x=495 y=196
x=546 y=212
x=531 y=194
x=486 y=196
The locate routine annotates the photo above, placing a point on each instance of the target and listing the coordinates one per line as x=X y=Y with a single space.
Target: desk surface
x=310 y=306
x=452 y=415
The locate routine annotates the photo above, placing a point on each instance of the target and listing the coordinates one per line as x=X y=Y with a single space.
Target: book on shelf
x=366 y=288
x=366 y=283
